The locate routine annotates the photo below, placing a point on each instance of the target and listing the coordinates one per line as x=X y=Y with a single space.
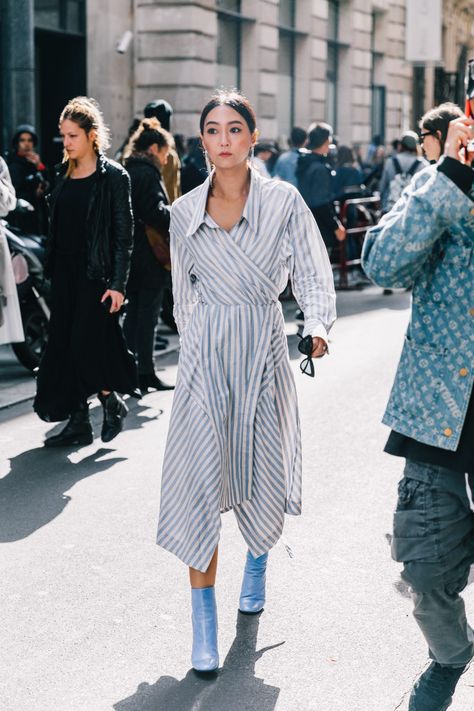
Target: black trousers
x=143 y=309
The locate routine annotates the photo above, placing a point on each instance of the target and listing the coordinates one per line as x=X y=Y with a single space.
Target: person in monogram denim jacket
x=427 y=242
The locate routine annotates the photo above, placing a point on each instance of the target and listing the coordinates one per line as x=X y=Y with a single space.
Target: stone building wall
x=174 y=56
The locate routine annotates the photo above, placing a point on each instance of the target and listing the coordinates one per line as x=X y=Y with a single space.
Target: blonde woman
x=88 y=260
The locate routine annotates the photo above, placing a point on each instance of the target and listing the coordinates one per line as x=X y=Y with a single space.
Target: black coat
x=26 y=178
x=109 y=225
x=150 y=207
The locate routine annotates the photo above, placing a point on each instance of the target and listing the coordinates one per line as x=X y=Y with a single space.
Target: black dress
x=86 y=350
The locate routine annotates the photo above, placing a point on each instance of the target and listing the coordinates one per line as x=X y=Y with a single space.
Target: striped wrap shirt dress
x=234 y=436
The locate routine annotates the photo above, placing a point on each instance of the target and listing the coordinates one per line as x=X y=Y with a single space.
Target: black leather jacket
x=109 y=224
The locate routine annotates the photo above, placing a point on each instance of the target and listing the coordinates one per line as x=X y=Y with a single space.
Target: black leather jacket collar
x=109 y=225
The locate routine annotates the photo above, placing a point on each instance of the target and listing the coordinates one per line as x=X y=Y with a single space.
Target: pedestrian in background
x=285 y=167
x=316 y=184
x=11 y=327
x=29 y=177
x=264 y=154
x=234 y=437
x=163 y=111
x=149 y=274
x=375 y=143
x=348 y=179
x=171 y=172
x=434 y=127
x=194 y=170
x=399 y=170
x=88 y=259
x=425 y=242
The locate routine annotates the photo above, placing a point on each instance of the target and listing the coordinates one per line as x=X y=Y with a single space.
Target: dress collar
x=251 y=209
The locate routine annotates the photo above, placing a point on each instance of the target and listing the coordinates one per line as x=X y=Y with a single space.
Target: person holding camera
x=426 y=242
x=88 y=259
x=434 y=125
x=28 y=174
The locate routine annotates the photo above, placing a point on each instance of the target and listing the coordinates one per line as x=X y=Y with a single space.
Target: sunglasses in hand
x=305 y=346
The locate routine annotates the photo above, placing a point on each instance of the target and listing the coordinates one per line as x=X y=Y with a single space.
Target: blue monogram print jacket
x=427 y=242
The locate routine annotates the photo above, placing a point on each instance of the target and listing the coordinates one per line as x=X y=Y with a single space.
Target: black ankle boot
x=151 y=380
x=77 y=431
x=115 y=411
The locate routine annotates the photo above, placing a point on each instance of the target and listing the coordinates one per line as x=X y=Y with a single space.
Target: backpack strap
x=414 y=167
x=397 y=166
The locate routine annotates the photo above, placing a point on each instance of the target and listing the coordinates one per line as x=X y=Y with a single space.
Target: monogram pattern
x=427 y=242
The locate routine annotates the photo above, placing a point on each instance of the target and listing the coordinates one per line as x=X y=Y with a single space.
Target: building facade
x=298 y=61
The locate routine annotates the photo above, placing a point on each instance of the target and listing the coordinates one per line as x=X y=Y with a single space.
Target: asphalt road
x=95 y=617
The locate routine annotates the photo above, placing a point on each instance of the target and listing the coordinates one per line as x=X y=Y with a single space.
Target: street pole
x=17 y=78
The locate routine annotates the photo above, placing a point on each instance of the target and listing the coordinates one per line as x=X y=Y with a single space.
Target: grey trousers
x=433 y=536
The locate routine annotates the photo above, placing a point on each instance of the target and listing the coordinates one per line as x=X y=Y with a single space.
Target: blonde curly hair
x=85 y=111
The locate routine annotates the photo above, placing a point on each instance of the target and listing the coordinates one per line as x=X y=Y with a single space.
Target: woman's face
x=25 y=144
x=77 y=143
x=227 y=137
x=431 y=146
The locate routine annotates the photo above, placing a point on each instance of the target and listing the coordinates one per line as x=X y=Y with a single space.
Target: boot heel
x=124 y=410
x=115 y=411
x=205 y=657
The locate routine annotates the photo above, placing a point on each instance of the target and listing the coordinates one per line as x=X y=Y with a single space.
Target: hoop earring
x=208 y=163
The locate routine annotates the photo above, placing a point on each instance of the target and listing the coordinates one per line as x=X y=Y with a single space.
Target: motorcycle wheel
x=35 y=326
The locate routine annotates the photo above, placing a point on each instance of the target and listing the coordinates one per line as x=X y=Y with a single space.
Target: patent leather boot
x=78 y=430
x=205 y=657
x=115 y=411
x=252 y=594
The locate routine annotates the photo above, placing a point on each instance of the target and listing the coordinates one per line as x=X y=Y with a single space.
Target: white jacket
x=11 y=328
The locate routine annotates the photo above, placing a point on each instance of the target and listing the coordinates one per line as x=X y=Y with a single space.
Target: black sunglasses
x=305 y=346
x=426 y=133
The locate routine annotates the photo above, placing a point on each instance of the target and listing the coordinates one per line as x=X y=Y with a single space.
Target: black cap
x=161 y=110
x=470 y=79
x=24 y=128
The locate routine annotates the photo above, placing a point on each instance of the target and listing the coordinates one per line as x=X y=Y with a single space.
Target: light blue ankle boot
x=252 y=594
x=205 y=657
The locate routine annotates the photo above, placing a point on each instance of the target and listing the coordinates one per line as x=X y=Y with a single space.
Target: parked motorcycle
x=27 y=253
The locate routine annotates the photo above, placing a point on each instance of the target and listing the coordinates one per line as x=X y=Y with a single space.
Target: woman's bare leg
x=207 y=579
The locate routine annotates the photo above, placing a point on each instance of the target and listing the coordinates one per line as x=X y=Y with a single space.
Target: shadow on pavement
x=233 y=688
x=32 y=493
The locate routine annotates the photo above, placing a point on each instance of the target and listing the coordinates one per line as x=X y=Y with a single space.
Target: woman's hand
x=460 y=133
x=116 y=298
x=320 y=347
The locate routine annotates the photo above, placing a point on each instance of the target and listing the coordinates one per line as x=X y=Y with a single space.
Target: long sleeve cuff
x=461 y=175
x=315 y=330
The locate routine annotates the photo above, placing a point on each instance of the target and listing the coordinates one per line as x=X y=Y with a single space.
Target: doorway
x=60 y=75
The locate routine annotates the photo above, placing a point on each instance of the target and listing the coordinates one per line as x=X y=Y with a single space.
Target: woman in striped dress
x=234 y=436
